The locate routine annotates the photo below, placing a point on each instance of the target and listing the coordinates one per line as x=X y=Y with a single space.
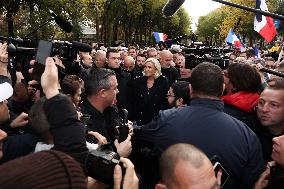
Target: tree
x=10 y=8
x=208 y=28
x=240 y=20
x=120 y=20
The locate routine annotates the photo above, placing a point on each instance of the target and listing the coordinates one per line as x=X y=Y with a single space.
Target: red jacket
x=243 y=100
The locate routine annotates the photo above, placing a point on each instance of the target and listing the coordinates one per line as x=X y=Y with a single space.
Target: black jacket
x=103 y=123
x=246 y=117
x=18 y=145
x=205 y=125
x=137 y=72
x=69 y=133
x=123 y=79
x=171 y=74
x=265 y=138
x=146 y=103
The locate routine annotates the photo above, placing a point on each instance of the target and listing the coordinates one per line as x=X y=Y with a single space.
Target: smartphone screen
x=225 y=175
x=43 y=51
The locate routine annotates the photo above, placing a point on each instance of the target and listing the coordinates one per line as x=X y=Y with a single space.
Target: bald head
x=185 y=165
x=100 y=60
x=129 y=63
x=166 y=58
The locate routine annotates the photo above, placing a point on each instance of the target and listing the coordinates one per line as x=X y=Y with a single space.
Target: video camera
x=21 y=51
x=64 y=50
x=101 y=162
x=195 y=56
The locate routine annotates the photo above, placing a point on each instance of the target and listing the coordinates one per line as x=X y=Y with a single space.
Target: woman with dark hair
x=72 y=86
x=242 y=85
x=149 y=93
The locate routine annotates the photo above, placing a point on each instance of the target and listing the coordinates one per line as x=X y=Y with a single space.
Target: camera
x=86 y=120
x=101 y=162
x=195 y=56
x=122 y=131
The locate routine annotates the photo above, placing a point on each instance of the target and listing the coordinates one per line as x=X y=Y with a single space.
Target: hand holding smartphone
x=44 y=50
x=217 y=166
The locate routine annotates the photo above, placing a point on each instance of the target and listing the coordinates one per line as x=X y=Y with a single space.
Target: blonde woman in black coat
x=149 y=93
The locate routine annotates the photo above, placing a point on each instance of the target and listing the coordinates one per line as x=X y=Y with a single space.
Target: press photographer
x=67 y=131
x=101 y=90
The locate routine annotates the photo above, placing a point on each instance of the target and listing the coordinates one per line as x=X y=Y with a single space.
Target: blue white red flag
x=160 y=37
x=264 y=25
x=256 y=51
x=233 y=39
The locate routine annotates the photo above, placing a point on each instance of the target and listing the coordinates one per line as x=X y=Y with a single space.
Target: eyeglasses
x=270 y=67
x=170 y=95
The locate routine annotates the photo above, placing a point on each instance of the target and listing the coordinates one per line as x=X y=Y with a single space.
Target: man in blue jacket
x=205 y=125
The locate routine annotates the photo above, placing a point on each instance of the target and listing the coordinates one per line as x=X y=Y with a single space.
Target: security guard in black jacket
x=205 y=125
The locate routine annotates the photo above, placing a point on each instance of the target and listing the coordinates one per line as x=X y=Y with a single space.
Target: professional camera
x=195 y=56
x=86 y=120
x=101 y=163
x=120 y=131
x=64 y=50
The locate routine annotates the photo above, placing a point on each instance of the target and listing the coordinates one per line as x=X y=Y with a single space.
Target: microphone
x=277 y=73
x=125 y=116
x=123 y=130
x=172 y=6
x=13 y=40
x=81 y=46
x=61 y=22
x=14 y=50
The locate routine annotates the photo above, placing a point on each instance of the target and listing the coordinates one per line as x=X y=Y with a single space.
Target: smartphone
x=225 y=175
x=43 y=51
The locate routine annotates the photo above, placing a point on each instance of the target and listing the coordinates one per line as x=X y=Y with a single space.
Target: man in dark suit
x=205 y=125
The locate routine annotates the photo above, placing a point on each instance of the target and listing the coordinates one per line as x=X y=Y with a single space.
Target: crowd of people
x=181 y=123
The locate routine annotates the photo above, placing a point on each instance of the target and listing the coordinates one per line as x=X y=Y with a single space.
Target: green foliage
x=218 y=22
x=209 y=26
x=126 y=20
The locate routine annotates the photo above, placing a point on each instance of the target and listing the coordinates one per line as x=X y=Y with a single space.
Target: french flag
x=160 y=37
x=233 y=39
x=264 y=25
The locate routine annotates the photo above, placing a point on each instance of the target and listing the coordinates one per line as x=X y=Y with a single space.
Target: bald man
x=100 y=59
x=129 y=63
x=185 y=166
x=170 y=72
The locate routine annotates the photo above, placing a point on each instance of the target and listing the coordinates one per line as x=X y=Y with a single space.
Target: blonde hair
x=157 y=65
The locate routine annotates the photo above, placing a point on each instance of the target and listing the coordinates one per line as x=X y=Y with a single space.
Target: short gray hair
x=179 y=152
x=97 y=80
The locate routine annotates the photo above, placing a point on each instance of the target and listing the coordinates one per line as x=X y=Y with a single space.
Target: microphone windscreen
x=25 y=50
x=63 y=24
x=172 y=6
x=81 y=46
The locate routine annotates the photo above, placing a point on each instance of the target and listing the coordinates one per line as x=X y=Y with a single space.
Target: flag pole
x=257 y=11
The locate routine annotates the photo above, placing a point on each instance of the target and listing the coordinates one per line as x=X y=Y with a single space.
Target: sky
x=196 y=8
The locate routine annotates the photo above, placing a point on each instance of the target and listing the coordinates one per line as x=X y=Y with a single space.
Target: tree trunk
x=10 y=22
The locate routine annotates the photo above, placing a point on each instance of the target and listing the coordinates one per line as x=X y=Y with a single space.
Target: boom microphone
x=172 y=6
x=61 y=22
x=81 y=46
x=13 y=50
x=277 y=73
